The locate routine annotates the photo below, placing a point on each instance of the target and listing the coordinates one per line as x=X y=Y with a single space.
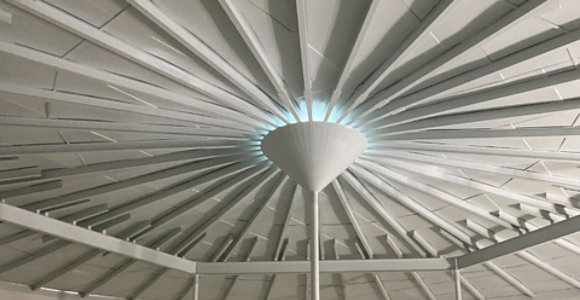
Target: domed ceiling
x=142 y=120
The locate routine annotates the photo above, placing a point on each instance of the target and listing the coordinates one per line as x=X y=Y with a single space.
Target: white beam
x=20 y=173
x=200 y=48
x=381 y=211
x=65 y=231
x=118 y=80
x=338 y=89
x=259 y=53
x=326 y=266
x=482 y=115
x=483 y=187
x=530 y=239
x=378 y=76
x=109 y=42
x=450 y=134
x=478 y=96
x=416 y=76
x=437 y=193
x=379 y=148
x=301 y=17
x=314 y=247
x=122 y=184
x=119 y=146
x=410 y=203
x=221 y=133
x=67 y=97
x=464 y=164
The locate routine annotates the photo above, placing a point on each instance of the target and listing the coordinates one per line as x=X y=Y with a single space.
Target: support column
x=196 y=287
x=314 y=250
x=457 y=282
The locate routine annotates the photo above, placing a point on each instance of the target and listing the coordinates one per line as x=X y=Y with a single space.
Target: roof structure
x=131 y=162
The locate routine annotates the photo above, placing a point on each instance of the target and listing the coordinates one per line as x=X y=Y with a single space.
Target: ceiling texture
x=142 y=120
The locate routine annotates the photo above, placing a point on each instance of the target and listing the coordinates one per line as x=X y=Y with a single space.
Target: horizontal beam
x=533 y=238
x=327 y=266
x=69 y=232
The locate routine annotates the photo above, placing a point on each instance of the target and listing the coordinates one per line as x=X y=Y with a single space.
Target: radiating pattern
x=142 y=119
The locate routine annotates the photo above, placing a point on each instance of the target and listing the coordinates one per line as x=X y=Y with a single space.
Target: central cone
x=314 y=153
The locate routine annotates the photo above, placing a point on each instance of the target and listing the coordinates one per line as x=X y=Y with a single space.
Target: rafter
x=381 y=211
x=479 y=96
x=412 y=204
x=449 y=134
x=301 y=17
x=346 y=69
x=121 y=127
x=202 y=50
x=109 y=42
x=403 y=86
x=469 y=165
x=366 y=88
x=122 y=184
x=103 y=103
x=482 y=115
x=486 y=188
x=132 y=84
x=259 y=53
x=380 y=148
x=120 y=146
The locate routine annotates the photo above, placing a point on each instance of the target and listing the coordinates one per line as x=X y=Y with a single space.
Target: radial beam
x=114 y=186
x=202 y=50
x=477 y=97
x=121 y=127
x=109 y=104
x=253 y=42
x=65 y=231
x=381 y=148
x=527 y=240
x=482 y=115
x=119 y=146
x=410 y=203
x=301 y=17
x=143 y=58
x=125 y=82
x=381 y=211
x=338 y=89
x=386 y=67
x=403 y=86
x=464 y=164
x=486 y=188
x=450 y=134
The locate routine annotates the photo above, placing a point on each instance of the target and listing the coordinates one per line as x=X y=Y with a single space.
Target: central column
x=314 y=154
x=314 y=249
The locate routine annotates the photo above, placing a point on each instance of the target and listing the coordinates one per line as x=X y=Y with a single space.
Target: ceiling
x=145 y=116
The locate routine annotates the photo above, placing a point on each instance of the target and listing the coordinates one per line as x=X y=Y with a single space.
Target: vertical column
x=195 y=287
x=457 y=282
x=314 y=252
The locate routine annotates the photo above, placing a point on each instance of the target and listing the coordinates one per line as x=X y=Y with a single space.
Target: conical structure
x=314 y=153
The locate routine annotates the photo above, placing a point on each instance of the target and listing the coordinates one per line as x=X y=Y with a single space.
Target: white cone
x=314 y=153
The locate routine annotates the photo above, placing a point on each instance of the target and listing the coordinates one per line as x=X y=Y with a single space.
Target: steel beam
x=253 y=42
x=202 y=50
x=530 y=239
x=65 y=231
x=130 y=145
x=381 y=148
x=379 y=75
x=219 y=133
x=486 y=188
x=404 y=86
x=77 y=26
x=465 y=164
x=118 y=80
x=304 y=55
x=109 y=104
